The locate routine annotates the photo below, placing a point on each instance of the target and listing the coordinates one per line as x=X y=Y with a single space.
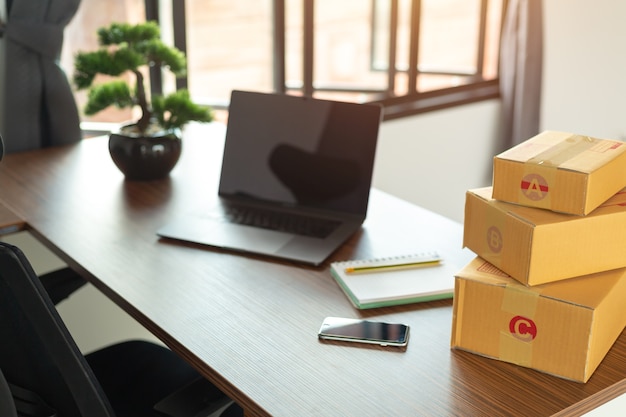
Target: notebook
x=295 y=178
x=380 y=287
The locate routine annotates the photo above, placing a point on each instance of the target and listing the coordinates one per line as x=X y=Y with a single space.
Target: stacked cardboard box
x=548 y=286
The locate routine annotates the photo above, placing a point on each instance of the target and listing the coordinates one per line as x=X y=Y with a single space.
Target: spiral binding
x=392 y=260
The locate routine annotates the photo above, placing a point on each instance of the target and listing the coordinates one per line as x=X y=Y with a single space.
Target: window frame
x=395 y=106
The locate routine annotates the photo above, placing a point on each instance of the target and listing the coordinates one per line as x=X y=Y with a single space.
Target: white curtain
x=521 y=64
x=39 y=108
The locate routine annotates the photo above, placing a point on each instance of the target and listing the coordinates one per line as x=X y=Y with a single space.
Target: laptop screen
x=300 y=151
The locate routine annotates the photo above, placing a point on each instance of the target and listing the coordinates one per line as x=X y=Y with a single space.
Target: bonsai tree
x=128 y=48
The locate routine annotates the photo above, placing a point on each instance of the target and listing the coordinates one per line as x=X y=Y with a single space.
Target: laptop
x=295 y=178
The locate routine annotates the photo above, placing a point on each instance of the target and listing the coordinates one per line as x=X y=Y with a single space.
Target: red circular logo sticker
x=534 y=187
x=494 y=239
x=522 y=328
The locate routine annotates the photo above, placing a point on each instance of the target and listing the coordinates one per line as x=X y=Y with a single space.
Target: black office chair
x=7 y=406
x=48 y=375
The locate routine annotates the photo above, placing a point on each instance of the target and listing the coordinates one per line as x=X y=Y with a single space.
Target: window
x=409 y=55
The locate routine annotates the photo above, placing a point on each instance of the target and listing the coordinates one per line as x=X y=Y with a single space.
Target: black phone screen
x=365 y=331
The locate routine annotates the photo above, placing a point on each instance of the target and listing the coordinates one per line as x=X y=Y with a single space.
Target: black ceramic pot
x=145 y=157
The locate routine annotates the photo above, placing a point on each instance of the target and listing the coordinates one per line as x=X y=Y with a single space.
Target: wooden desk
x=250 y=324
x=596 y=400
x=9 y=221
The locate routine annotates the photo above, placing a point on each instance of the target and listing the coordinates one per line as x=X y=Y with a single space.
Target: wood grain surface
x=249 y=323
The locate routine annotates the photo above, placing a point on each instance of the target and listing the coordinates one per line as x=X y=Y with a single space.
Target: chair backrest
x=7 y=406
x=37 y=352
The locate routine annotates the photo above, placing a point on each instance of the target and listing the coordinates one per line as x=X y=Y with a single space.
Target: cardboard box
x=537 y=246
x=561 y=172
x=565 y=328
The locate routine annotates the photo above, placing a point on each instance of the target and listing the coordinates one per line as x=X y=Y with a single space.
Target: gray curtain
x=2 y=61
x=39 y=107
x=521 y=64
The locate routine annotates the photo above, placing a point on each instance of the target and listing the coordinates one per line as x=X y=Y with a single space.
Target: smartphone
x=364 y=331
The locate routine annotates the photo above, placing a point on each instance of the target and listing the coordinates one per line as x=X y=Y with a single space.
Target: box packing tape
x=562 y=152
x=520 y=305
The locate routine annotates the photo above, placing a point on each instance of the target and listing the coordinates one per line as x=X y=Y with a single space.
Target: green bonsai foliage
x=125 y=47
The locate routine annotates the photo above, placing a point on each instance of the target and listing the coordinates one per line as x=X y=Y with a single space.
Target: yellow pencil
x=388 y=267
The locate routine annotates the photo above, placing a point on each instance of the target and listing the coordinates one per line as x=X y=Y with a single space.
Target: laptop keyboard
x=282 y=222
